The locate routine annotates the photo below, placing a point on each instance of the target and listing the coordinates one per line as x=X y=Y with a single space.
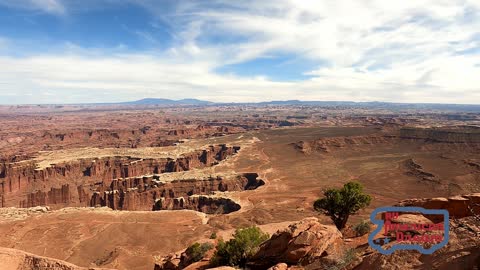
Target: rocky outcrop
x=279 y=266
x=416 y=170
x=473 y=163
x=170 y=262
x=12 y=259
x=184 y=260
x=302 y=243
x=457 y=206
x=461 y=252
x=306 y=242
x=12 y=213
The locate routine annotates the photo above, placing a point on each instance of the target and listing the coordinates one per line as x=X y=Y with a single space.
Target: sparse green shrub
x=362 y=228
x=197 y=251
x=348 y=257
x=339 y=204
x=238 y=250
x=213 y=235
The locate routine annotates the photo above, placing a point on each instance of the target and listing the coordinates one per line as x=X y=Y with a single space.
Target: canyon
x=124 y=183
x=122 y=187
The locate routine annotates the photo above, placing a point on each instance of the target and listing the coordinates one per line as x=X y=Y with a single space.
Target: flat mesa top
x=46 y=159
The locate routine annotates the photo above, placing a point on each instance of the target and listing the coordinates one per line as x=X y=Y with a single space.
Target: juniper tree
x=339 y=204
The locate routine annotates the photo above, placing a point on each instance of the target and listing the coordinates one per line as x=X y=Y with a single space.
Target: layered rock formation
x=458 y=137
x=327 y=144
x=150 y=192
x=467 y=135
x=74 y=183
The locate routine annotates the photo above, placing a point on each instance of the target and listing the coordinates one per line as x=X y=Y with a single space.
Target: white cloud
x=405 y=51
x=49 y=6
x=127 y=77
x=52 y=6
x=340 y=31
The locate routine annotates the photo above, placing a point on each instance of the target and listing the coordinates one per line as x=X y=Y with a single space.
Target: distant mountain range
x=192 y=101
x=372 y=104
x=164 y=101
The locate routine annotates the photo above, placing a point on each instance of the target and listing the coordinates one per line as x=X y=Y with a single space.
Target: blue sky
x=68 y=51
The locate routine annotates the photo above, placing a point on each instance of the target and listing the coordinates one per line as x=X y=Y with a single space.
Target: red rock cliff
x=72 y=184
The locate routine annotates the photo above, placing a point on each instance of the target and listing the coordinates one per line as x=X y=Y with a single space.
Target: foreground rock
x=170 y=262
x=461 y=252
x=458 y=206
x=13 y=259
x=279 y=266
x=308 y=244
x=305 y=242
x=182 y=260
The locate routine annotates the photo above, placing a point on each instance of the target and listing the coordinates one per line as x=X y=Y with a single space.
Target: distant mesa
x=164 y=101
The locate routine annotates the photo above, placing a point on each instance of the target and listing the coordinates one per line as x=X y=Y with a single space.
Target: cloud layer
x=48 y=6
x=408 y=51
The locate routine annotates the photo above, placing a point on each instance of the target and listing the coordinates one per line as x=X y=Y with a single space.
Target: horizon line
x=232 y=102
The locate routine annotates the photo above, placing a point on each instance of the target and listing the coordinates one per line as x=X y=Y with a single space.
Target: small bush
x=348 y=257
x=238 y=250
x=197 y=251
x=213 y=235
x=362 y=228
